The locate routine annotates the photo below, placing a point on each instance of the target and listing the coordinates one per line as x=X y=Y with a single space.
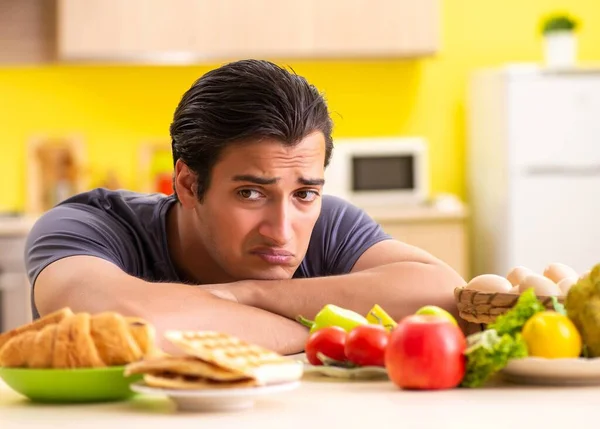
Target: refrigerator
x=533 y=168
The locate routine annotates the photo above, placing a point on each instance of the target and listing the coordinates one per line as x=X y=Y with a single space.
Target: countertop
x=330 y=403
x=442 y=208
x=17 y=226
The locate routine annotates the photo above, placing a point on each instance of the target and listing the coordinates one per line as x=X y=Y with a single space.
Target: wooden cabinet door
x=235 y=29
x=446 y=240
x=316 y=28
x=376 y=27
x=117 y=29
x=216 y=30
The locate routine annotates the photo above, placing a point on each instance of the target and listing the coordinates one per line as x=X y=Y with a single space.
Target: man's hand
x=399 y=277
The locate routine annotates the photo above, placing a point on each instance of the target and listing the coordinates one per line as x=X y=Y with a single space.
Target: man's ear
x=186 y=183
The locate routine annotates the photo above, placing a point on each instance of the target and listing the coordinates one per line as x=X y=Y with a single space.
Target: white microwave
x=379 y=171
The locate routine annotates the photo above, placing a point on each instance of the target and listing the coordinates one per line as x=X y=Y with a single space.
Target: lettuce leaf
x=513 y=320
x=487 y=353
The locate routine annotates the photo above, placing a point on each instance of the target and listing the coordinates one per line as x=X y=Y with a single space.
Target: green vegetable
x=332 y=315
x=582 y=304
x=487 y=353
x=513 y=320
x=558 y=307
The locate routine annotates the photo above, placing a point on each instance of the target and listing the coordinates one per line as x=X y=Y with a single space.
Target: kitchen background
x=110 y=112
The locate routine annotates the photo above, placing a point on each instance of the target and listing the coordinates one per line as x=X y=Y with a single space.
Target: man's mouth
x=274 y=256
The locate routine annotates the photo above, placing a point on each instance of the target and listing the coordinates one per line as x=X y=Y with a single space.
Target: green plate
x=70 y=385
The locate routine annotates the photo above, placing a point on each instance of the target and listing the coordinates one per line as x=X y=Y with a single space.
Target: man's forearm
x=400 y=288
x=93 y=285
x=203 y=311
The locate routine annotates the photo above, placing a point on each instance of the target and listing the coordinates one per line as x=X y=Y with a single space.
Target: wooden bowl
x=484 y=307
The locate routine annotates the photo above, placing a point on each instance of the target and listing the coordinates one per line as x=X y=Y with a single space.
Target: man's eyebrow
x=259 y=180
x=255 y=179
x=311 y=182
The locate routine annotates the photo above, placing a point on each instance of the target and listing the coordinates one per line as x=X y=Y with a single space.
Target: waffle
x=187 y=366
x=231 y=353
x=174 y=381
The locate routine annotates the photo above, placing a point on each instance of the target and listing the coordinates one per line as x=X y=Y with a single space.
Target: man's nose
x=277 y=225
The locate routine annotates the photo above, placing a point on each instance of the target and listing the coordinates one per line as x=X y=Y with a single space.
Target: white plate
x=215 y=399
x=562 y=372
x=360 y=373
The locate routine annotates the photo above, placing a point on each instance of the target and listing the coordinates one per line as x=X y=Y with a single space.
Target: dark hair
x=243 y=100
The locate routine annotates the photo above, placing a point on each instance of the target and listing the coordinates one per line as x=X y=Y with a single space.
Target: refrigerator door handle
x=562 y=170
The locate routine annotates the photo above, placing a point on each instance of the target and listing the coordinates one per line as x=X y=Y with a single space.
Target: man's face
x=258 y=213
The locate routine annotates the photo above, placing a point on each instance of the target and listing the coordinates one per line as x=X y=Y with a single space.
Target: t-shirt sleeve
x=341 y=235
x=72 y=230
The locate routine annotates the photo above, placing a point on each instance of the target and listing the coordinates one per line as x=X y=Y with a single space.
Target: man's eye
x=249 y=194
x=307 y=195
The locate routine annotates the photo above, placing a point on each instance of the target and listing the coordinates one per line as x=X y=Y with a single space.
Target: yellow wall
x=115 y=108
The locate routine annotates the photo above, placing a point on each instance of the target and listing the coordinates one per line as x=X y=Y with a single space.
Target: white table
x=330 y=405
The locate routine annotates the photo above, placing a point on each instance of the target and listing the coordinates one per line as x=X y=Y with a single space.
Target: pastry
x=74 y=346
x=144 y=335
x=81 y=340
x=115 y=342
x=36 y=325
x=43 y=343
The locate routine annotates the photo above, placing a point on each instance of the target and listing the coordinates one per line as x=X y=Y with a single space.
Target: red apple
x=426 y=352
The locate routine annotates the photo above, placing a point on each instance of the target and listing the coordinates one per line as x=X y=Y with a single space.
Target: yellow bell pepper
x=377 y=316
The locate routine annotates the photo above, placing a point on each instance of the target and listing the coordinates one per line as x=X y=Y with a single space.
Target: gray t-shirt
x=129 y=230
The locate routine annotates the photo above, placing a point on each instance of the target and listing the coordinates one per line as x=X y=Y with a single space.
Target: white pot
x=560 y=49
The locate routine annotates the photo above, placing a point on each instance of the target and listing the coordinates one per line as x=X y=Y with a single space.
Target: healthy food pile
x=427 y=350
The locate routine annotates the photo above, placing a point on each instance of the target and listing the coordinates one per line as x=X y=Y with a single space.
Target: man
x=247 y=242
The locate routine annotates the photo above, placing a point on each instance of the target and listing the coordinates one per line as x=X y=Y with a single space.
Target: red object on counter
x=426 y=352
x=164 y=183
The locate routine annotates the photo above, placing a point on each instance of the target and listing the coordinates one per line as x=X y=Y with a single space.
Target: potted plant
x=560 y=43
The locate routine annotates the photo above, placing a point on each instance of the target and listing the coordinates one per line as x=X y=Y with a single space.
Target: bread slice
x=36 y=325
x=231 y=353
x=183 y=366
x=173 y=381
x=74 y=346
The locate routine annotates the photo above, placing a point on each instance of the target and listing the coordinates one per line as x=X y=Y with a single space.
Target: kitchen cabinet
x=15 y=306
x=388 y=28
x=27 y=31
x=228 y=29
x=443 y=233
x=220 y=30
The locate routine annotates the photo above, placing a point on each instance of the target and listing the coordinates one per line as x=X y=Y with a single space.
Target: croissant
x=78 y=340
